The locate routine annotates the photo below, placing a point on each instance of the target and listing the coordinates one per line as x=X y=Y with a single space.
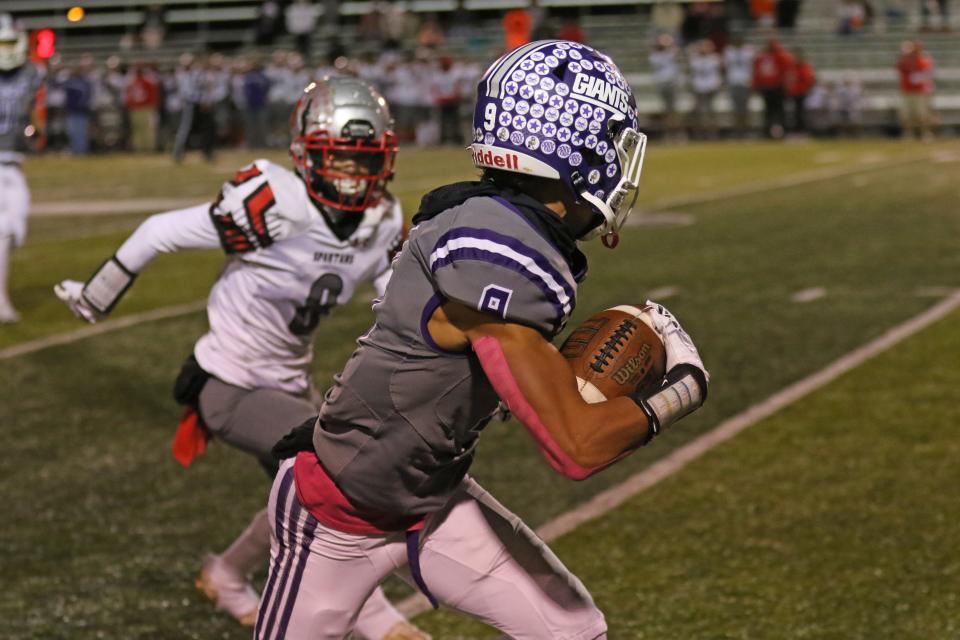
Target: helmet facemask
x=630 y=146
x=343 y=145
x=346 y=173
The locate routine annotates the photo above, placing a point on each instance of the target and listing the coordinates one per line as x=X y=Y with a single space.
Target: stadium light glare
x=75 y=14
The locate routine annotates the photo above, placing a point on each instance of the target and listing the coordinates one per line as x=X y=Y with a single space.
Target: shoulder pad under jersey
x=261 y=204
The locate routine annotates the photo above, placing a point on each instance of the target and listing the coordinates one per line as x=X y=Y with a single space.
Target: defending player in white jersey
x=19 y=81
x=298 y=244
x=488 y=277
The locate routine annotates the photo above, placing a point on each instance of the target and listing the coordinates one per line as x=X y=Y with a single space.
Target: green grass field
x=835 y=518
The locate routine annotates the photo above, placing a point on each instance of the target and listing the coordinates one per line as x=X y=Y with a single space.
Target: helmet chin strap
x=610 y=240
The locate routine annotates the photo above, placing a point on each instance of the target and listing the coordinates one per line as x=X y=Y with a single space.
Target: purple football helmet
x=563 y=110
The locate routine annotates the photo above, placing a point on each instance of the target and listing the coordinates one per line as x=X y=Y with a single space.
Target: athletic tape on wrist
x=107 y=285
x=682 y=395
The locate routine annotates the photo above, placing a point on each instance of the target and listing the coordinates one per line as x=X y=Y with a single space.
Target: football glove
x=97 y=297
x=71 y=292
x=684 y=387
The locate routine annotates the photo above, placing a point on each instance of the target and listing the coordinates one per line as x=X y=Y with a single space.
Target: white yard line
x=100 y=328
x=618 y=494
x=809 y=295
x=110 y=207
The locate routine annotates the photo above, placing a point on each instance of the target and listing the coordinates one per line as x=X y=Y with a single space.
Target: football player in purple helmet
x=488 y=277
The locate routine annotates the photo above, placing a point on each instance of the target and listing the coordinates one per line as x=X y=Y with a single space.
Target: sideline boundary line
x=100 y=328
x=616 y=495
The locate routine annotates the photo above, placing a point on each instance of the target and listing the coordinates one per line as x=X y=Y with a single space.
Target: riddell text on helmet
x=491 y=158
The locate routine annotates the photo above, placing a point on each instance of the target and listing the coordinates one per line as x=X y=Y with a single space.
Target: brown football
x=614 y=352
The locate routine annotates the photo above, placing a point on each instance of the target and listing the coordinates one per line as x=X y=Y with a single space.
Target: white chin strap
x=631 y=146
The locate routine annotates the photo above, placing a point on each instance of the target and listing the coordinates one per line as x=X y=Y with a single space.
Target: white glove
x=71 y=292
x=684 y=387
x=677 y=343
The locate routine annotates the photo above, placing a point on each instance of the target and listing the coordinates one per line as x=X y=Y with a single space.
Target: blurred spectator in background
x=56 y=101
x=539 y=21
x=916 y=90
x=279 y=74
x=738 y=62
x=446 y=89
x=572 y=31
x=762 y=12
x=941 y=8
x=798 y=82
x=371 y=27
x=665 y=66
x=268 y=23
x=256 y=89
x=517 y=27
x=154 y=27
x=142 y=101
x=196 y=112
x=769 y=69
x=847 y=107
x=430 y=35
x=78 y=90
x=705 y=81
x=301 y=20
x=786 y=12
x=818 y=109
x=851 y=17
x=667 y=17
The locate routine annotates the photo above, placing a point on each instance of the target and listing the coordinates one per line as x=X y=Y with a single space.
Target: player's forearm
x=167 y=232
x=542 y=394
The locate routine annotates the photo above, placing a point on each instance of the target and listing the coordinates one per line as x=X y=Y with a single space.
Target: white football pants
x=475 y=557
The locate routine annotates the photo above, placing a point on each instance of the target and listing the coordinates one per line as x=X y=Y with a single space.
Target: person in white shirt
x=705 y=81
x=665 y=68
x=738 y=63
x=298 y=244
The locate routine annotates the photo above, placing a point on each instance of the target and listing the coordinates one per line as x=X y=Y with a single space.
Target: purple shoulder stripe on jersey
x=512 y=207
x=562 y=309
x=270 y=590
x=435 y=301
x=288 y=550
x=309 y=531
x=486 y=234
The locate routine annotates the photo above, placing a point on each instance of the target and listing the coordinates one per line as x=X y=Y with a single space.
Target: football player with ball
x=298 y=244
x=378 y=483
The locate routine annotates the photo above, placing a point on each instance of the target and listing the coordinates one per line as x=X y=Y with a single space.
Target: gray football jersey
x=17 y=92
x=400 y=427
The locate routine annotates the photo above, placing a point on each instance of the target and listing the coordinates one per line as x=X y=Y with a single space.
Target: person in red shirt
x=769 y=71
x=572 y=31
x=916 y=88
x=798 y=82
x=517 y=26
x=142 y=101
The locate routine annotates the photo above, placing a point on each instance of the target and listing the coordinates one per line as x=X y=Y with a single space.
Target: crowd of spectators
x=795 y=102
x=783 y=80
x=206 y=101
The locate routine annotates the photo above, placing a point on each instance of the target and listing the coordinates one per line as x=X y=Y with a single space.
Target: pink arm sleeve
x=494 y=364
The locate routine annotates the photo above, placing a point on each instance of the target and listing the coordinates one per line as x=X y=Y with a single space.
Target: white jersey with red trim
x=285 y=270
x=267 y=301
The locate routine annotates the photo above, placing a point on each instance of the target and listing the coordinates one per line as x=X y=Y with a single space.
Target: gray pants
x=252 y=420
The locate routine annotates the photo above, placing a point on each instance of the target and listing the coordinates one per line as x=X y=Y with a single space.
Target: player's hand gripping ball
x=614 y=353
